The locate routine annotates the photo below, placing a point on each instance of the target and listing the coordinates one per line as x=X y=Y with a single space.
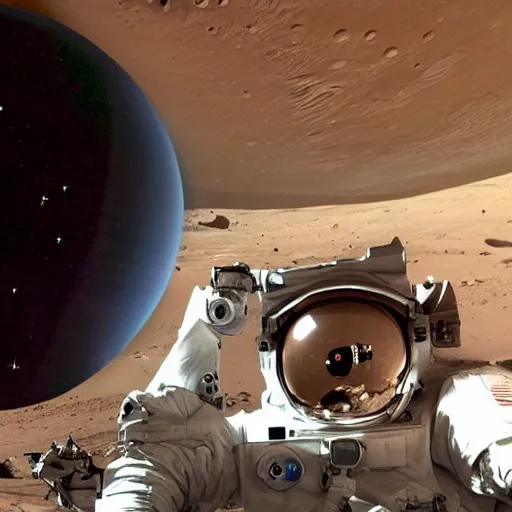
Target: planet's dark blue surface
x=91 y=208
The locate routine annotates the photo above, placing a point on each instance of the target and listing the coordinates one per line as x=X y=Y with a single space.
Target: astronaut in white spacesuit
x=354 y=416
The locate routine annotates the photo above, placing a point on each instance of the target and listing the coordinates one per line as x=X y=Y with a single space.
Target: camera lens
x=340 y=361
x=276 y=471
x=220 y=311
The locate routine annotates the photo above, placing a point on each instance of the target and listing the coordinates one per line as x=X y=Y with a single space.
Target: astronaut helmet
x=347 y=341
x=343 y=356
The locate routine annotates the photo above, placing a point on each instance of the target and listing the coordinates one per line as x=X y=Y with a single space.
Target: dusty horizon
x=284 y=104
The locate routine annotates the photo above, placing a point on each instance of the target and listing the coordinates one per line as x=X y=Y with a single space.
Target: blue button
x=293 y=470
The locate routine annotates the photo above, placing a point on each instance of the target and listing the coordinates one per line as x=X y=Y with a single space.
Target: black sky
x=90 y=208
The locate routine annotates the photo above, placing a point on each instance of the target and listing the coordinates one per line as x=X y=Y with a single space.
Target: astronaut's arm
x=194 y=360
x=178 y=454
x=472 y=433
x=178 y=445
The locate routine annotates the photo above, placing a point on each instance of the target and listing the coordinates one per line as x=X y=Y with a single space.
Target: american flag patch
x=501 y=389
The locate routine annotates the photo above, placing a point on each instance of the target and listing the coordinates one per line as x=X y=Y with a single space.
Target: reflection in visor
x=304 y=327
x=345 y=356
x=341 y=360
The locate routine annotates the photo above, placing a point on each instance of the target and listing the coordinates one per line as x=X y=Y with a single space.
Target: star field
x=77 y=232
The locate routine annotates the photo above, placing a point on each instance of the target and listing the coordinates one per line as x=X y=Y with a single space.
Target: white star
x=64 y=188
x=59 y=239
x=14 y=290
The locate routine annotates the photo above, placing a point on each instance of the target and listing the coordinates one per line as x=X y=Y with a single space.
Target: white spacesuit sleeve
x=178 y=455
x=472 y=431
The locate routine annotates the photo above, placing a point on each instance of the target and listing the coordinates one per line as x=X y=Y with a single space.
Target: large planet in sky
x=91 y=209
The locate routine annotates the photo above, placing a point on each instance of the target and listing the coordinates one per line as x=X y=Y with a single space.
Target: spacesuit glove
x=494 y=470
x=178 y=456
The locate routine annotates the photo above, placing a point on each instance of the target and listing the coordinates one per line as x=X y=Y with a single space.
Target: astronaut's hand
x=494 y=469
x=178 y=455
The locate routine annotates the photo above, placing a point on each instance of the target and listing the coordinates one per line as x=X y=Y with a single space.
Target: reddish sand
x=288 y=105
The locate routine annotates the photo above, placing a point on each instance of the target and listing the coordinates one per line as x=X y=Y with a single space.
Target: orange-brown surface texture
x=317 y=129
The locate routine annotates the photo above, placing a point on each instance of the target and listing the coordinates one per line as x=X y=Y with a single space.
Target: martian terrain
x=314 y=130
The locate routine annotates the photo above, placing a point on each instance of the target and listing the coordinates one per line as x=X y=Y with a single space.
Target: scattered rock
x=370 y=35
x=276 y=249
x=339 y=64
x=140 y=355
x=340 y=36
x=507 y=261
x=496 y=242
x=335 y=226
x=472 y=282
x=341 y=407
x=357 y=390
x=355 y=399
x=201 y=4
x=239 y=399
x=8 y=469
x=485 y=253
x=166 y=4
x=483 y=211
x=178 y=268
x=389 y=53
x=220 y=222
x=428 y=36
